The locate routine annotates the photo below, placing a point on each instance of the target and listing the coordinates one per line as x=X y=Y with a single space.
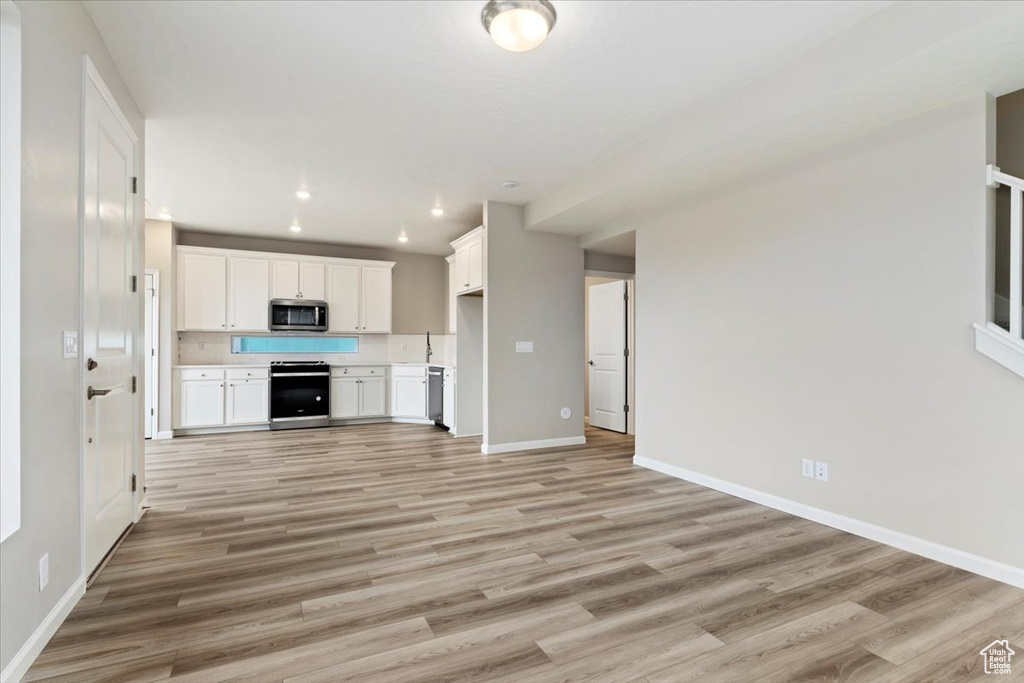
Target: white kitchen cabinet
x=343 y=298
x=248 y=294
x=344 y=397
x=469 y=261
x=375 y=299
x=298 y=280
x=452 y=298
x=409 y=396
x=373 y=397
x=449 y=399
x=202 y=291
x=248 y=401
x=201 y=403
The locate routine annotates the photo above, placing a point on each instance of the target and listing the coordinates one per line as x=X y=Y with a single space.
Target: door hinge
x=625 y=352
x=625 y=409
x=135 y=384
x=625 y=296
x=133 y=483
x=151 y=411
x=135 y=283
x=135 y=185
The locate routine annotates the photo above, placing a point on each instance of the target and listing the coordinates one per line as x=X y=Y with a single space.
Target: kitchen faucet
x=429 y=352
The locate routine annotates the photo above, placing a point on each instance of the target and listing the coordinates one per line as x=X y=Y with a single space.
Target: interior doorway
x=109 y=320
x=151 y=351
x=609 y=353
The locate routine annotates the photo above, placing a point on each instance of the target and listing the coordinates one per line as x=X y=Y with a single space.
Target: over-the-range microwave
x=298 y=315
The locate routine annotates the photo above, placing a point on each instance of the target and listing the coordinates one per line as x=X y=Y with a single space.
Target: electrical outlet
x=821 y=471
x=807 y=468
x=44 y=571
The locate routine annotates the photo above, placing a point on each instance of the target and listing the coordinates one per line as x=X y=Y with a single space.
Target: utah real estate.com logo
x=997 y=655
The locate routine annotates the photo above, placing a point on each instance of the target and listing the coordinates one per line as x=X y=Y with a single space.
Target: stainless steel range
x=300 y=394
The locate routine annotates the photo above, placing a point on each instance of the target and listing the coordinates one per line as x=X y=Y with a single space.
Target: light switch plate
x=70 y=343
x=44 y=571
x=524 y=347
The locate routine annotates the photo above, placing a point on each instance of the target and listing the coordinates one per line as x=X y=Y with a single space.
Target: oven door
x=308 y=316
x=300 y=397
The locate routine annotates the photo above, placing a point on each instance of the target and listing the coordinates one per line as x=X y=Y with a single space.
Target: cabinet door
x=344 y=397
x=372 y=394
x=202 y=403
x=248 y=401
x=248 y=294
x=476 y=264
x=312 y=278
x=462 y=282
x=375 y=299
x=284 y=280
x=452 y=299
x=343 y=298
x=409 y=397
x=202 y=292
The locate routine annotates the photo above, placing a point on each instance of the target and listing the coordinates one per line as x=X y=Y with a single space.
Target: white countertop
x=333 y=365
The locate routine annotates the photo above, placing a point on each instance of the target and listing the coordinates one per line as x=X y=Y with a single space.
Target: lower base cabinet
x=358 y=392
x=409 y=393
x=248 y=401
x=202 y=403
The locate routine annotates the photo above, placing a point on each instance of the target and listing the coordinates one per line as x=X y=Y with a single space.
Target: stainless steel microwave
x=298 y=315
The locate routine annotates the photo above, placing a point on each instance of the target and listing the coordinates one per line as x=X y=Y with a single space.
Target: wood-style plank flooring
x=393 y=553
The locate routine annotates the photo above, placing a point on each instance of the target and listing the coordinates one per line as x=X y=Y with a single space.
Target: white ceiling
x=385 y=108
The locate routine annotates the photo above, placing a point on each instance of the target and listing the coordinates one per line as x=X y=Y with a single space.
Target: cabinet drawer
x=201 y=373
x=408 y=371
x=248 y=373
x=358 y=371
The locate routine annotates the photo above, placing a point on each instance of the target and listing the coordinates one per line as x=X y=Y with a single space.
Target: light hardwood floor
x=395 y=553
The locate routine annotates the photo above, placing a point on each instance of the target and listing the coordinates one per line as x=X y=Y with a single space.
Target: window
x=10 y=269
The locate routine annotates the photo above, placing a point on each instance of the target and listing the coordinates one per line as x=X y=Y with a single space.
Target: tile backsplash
x=214 y=348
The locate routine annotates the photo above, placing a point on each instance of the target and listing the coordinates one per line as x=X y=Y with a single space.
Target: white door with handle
x=607 y=342
x=109 y=322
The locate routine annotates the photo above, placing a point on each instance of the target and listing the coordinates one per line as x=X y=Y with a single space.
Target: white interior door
x=606 y=338
x=109 y=322
x=149 y=414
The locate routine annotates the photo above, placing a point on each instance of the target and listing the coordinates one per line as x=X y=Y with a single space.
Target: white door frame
x=91 y=75
x=630 y=279
x=154 y=360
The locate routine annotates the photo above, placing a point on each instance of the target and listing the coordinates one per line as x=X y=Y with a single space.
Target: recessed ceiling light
x=303 y=194
x=518 y=25
x=164 y=216
x=295 y=228
x=403 y=238
x=510 y=184
x=437 y=211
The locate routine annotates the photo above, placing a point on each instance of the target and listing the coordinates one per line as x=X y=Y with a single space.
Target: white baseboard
x=493 y=448
x=28 y=652
x=897 y=539
x=164 y=435
x=411 y=420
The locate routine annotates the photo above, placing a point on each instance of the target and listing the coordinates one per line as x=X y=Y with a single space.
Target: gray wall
x=534 y=292
x=826 y=313
x=160 y=240
x=55 y=36
x=419 y=285
x=609 y=263
x=1010 y=159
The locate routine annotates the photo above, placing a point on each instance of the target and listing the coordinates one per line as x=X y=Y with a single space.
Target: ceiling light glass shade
x=518 y=25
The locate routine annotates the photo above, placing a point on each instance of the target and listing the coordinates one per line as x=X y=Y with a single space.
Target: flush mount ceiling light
x=403 y=238
x=437 y=211
x=303 y=194
x=510 y=184
x=518 y=25
x=295 y=227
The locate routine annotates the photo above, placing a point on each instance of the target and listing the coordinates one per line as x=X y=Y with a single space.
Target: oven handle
x=301 y=374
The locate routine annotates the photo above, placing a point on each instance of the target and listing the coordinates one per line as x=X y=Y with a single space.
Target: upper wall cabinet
x=298 y=280
x=359 y=298
x=452 y=300
x=248 y=294
x=202 y=291
x=469 y=261
x=228 y=290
